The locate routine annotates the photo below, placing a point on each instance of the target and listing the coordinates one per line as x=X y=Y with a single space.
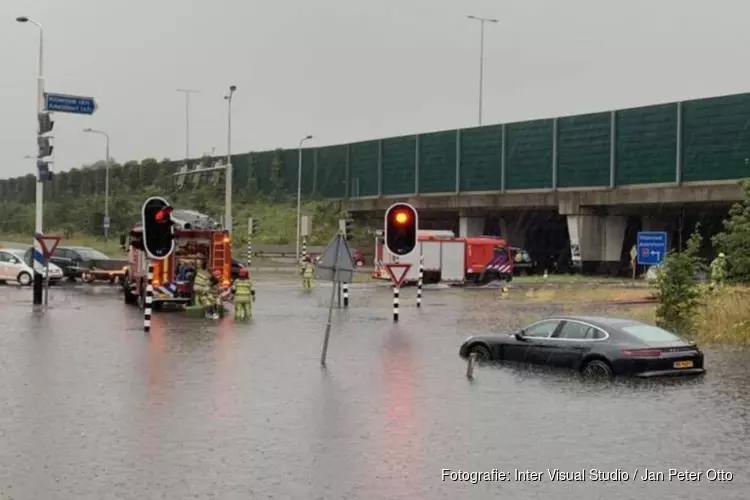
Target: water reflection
x=399 y=431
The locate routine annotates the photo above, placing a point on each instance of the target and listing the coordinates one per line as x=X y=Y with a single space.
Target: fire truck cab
x=172 y=279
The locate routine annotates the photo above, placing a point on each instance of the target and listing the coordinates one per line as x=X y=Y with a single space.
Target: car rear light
x=642 y=353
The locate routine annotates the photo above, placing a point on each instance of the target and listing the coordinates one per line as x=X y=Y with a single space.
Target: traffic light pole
x=39 y=216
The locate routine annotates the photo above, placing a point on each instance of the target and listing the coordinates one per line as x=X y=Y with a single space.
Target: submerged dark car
x=593 y=346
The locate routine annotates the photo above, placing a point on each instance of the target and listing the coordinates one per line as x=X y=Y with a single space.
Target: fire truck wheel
x=130 y=298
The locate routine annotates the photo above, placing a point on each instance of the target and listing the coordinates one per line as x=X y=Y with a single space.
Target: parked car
x=67 y=265
x=236 y=266
x=593 y=346
x=14 y=268
x=92 y=265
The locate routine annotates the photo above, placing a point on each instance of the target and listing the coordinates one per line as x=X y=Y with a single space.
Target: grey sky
x=347 y=70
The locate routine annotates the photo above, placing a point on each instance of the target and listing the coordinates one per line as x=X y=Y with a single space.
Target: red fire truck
x=448 y=259
x=171 y=283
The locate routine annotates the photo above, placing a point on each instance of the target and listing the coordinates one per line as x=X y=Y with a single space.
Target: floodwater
x=91 y=408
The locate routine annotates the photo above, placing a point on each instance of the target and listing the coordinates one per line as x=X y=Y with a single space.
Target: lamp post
x=106 y=180
x=187 y=93
x=228 y=170
x=299 y=189
x=39 y=215
x=481 y=20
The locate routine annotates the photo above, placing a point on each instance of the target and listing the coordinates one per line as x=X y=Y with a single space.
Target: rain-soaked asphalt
x=93 y=409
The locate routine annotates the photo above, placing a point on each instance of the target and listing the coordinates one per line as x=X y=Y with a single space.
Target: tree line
x=74 y=200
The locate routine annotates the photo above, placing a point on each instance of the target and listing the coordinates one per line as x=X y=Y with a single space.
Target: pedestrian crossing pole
x=249 y=242
x=421 y=279
x=395 y=303
x=149 y=299
x=345 y=286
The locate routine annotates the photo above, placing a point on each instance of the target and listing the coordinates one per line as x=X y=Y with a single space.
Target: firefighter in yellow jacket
x=244 y=296
x=212 y=297
x=308 y=272
x=200 y=284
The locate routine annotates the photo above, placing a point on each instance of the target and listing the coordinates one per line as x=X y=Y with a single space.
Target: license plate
x=166 y=296
x=683 y=364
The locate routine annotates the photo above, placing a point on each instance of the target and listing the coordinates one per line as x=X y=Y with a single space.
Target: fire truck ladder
x=217 y=252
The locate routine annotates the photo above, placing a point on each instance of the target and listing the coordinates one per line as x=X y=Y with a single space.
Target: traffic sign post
x=48 y=244
x=65 y=103
x=651 y=247
x=397 y=272
x=106 y=222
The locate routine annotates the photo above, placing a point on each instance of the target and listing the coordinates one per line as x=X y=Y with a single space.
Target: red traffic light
x=163 y=215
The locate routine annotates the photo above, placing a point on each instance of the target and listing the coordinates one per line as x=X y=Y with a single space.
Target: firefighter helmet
x=243 y=273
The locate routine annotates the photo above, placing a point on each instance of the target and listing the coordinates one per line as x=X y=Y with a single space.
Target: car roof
x=12 y=250
x=601 y=321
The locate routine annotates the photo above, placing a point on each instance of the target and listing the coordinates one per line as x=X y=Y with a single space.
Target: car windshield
x=649 y=333
x=90 y=253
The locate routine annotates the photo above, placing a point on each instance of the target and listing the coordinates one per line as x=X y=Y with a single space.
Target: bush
x=734 y=241
x=676 y=290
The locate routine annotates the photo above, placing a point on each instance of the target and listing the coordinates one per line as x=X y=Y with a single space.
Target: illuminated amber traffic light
x=401 y=227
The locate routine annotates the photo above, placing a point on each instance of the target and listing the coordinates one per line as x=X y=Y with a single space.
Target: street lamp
x=299 y=189
x=37 y=292
x=228 y=170
x=481 y=20
x=106 y=180
x=187 y=93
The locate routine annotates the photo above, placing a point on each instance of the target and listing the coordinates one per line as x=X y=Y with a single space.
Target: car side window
x=573 y=330
x=6 y=257
x=542 y=329
x=595 y=334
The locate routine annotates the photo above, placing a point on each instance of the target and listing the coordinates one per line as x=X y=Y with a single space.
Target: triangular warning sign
x=397 y=273
x=328 y=257
x=49 y=244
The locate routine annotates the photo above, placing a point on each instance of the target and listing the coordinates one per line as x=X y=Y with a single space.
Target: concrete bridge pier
x=596 y=239
x=511 y=227
x=470 y=226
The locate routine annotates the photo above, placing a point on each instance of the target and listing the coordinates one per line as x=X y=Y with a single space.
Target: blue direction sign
x=652 y=247
x=62 y=103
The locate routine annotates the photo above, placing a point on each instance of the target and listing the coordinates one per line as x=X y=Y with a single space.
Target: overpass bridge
x=598 y=171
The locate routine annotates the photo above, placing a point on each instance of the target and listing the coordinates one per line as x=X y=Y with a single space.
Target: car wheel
x=24 y=278
x=597 y=370
x=483 y=355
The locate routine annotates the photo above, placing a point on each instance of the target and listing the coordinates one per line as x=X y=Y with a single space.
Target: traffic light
x=254 y=225
x=345 y=226
x=401 y=228
x=45 y=123
x=158 y=228
x=45 y=148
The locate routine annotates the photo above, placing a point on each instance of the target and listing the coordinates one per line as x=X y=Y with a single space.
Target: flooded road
x=91 y=408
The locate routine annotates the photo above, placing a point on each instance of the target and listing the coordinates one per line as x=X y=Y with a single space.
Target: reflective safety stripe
x=308 y=271
x=243 y=288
